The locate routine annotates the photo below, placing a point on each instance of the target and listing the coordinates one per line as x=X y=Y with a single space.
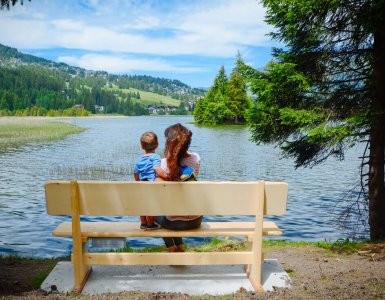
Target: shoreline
x=9 y=119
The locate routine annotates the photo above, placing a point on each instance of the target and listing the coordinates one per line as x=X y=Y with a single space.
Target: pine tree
x=325 y=91
x=238 y=101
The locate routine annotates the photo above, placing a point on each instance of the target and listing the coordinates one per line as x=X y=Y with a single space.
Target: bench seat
x=131 y=229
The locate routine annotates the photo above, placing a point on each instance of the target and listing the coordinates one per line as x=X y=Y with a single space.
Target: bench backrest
x=115 y=198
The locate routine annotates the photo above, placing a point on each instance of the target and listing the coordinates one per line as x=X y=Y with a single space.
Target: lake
x=107 y=151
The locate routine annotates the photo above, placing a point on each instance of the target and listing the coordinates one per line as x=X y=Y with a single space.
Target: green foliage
x=199 y=110
x=324 y=91
x=292 y=112
x=226 y=101
x=7 y=3
x=238 y=102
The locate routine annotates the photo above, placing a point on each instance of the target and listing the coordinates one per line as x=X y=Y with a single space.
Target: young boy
x=147 y=168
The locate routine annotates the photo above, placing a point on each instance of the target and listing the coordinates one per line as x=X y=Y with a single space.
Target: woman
x=178 y=139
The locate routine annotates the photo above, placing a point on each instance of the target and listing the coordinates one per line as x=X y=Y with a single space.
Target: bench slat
x=166 y=198
x=186 y=258
x=131 y=229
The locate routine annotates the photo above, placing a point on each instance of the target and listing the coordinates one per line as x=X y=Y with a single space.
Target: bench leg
x=249 y=247
x=254 y=270
x=255 y=277
x=81 y=270
x=80 y=244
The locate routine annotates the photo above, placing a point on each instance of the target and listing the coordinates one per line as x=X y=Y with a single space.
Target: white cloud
x=118 y=64
x=212 y=28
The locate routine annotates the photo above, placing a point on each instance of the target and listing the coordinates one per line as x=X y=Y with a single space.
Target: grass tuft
x=342 y=246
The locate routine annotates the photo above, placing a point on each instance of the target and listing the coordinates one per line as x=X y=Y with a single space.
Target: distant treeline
x=27 y=86
x=27 y=81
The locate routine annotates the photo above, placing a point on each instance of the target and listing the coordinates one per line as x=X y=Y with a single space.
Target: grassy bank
x=19 y=132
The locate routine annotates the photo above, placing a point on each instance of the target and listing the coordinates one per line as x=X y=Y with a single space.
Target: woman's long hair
x=178 y=139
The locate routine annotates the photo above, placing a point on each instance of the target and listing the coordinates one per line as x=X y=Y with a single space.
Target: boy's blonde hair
x=149 y=141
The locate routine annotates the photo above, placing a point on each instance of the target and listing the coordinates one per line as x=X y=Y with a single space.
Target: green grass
x=20 y=133
x=152 y=98
x=38 y=280
x=341 y=246
x=148 y=98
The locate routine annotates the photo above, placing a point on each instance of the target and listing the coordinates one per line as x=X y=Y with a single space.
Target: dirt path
x=316 y=274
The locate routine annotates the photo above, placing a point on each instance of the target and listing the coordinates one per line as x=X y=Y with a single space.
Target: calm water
x=107 y=150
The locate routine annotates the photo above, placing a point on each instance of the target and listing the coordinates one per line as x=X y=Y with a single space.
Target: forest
x=31 y=85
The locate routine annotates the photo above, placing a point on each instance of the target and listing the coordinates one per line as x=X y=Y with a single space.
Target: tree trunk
x=376 y=191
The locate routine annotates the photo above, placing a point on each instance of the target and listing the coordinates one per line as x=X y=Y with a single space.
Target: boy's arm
x=136 y=177
x=160 y=173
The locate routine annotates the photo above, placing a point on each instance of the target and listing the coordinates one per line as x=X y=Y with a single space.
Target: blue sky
x=187 y=40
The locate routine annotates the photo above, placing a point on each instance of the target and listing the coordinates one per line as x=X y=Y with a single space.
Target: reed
x=17 y=132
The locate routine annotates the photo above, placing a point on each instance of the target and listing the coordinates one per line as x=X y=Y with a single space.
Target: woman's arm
x=161 y=174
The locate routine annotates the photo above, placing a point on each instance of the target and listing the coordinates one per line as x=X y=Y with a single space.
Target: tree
x=325 y=91
x=238 y=101
x=225 y=101
x=6 y=3
x=212 y=109
x=199 y=110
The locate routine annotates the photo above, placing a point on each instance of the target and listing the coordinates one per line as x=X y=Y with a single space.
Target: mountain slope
x=167 y=87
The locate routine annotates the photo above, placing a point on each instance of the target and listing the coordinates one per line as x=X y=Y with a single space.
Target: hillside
x=28 y=81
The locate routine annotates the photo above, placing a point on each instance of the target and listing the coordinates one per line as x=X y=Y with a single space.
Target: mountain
x=176 y=89
x=31 y=85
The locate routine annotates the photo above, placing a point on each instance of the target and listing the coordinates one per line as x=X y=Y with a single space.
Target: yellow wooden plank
x=186 y=258
x=81 y=270
x=165 y=198
x=275 y=198
x=131 y=229
x=254 y=269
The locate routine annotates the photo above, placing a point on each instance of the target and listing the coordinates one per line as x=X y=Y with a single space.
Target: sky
x=188 y=40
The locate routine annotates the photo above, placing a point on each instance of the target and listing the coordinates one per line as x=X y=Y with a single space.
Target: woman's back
x=193 y=160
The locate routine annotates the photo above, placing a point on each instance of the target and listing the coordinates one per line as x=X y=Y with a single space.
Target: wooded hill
x=33 y=85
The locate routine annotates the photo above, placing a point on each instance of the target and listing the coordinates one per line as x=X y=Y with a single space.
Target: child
x=147 y=168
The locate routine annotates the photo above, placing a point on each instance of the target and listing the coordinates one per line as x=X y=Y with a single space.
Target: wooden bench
x=96 y=198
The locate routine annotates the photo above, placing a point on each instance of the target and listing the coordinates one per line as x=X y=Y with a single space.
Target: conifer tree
x=238 y=101
x=325 y=91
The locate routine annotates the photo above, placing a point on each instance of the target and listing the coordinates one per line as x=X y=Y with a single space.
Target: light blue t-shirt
x=145 y=165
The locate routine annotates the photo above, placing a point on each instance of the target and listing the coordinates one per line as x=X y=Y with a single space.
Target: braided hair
x=178 y=139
